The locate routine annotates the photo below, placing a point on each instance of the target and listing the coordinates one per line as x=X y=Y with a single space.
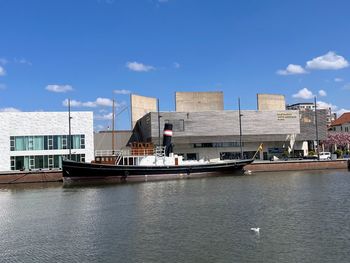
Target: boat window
x=191 y=156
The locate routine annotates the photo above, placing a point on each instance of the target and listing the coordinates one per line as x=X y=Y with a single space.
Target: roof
x=344 y=118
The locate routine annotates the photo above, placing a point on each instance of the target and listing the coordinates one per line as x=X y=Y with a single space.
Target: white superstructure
x=39 y=140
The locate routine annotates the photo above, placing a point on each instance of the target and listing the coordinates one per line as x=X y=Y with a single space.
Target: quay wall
x=297 y=165
x=30 y=177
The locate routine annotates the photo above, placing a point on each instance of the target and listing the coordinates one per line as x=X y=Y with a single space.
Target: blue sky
x=94 y=50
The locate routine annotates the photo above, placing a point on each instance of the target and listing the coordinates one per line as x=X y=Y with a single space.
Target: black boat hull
x=76 y=171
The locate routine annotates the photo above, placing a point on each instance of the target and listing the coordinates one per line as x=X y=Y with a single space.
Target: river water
x=302 y=216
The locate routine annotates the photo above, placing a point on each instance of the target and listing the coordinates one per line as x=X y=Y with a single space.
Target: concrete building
x=305 y=106
x=271 y=102
x=141 y=105
x=198 y=101
x=214 y=134
x=342 y=124
x=39 y=140
x=301 y=106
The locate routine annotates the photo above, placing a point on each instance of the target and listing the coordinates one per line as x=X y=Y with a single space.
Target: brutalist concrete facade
x=212 y=134
x=199 y=101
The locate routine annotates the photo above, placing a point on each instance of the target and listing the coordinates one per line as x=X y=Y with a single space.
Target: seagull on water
x=255 y=229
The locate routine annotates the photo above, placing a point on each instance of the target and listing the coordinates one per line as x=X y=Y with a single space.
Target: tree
x=338 y=139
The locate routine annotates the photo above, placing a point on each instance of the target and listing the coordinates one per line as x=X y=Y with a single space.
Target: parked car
x=325 y=155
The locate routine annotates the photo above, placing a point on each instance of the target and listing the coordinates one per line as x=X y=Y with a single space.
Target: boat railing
x=135 y=155
x=131 y=156
x=107 y=153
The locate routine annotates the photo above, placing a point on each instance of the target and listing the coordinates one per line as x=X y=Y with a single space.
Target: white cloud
x=59 y=88
x=303 y=94
x=322 y=93
x=23 y=61
x=326 y=105
x=139 y=67
x=334 y=108
x=107 y=116
x=9 y=109
x=2 y=71
x=292 y=70
x=346 y=86
x=100 y=127
x=338 y=80
x=121 y=91
x=328 y=61
x=341 y=111
x=104 y=102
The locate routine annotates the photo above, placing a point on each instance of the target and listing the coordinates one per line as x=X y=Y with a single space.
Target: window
x=19 y=144
x=12 y=143
x=13 y=164
x=64 y=142
x=82 y=141
x=50 y=161
x=47 y=142
x=55 y=142
x=217 y=144
x=50 y=142
x=178 y=125
x=31 y=162
x=38 y=143
x=30 y=143
x=191 y=156
x=41 y=161
x=229 y=155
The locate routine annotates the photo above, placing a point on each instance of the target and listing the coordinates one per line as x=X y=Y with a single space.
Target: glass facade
x=46 y=142
x=42 y=161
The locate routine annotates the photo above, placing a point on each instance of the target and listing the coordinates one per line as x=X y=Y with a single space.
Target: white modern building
x=39 y=140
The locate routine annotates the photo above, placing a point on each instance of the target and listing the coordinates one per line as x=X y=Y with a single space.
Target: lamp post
x=69 y=131
x=113 y=124
x=316 y=126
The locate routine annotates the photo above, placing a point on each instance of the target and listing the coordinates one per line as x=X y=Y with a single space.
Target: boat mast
x=113 y=117
x=158 y=123
x=240 y=127
x=69 y=132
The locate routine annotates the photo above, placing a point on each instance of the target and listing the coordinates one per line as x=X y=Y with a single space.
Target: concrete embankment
x=30 y=177
x=299 y=165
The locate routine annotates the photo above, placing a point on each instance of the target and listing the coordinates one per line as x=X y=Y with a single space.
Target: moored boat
x=144 y=162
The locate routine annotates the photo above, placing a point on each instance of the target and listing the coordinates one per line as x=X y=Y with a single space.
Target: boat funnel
x=167 y=134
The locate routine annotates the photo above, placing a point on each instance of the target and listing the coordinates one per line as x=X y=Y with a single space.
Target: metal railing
x=107 y=153
x=126 y=154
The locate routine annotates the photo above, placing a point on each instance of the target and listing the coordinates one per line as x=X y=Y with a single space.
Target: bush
x=339 y=153
x=311 y=153
x=285 y=154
